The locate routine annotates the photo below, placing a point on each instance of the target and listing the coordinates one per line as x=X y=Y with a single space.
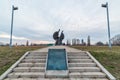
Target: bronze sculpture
x=57 y=38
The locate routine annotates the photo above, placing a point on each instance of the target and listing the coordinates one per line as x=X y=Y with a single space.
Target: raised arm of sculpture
x=62 y=36
x=56 y=35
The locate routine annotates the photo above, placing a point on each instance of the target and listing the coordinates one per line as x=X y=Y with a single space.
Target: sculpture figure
x=57 y=38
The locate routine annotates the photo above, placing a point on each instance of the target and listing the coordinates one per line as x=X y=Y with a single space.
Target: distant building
x=83 y=43
x=74 y=41
x=77 y=42
x=68 y=42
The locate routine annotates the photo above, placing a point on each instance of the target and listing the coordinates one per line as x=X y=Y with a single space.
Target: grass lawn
x=9 y=56
x=110 y=59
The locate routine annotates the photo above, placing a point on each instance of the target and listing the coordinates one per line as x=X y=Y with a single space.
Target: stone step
x=42 y=69
x=88 y=79
x=87 y=75
x=29 y=69
x=55 y=79
x=31 y=65
x=74 y=54
x=44 y=57
x=70 y=65
x=82 y=64
x=26 y=75
x=69 y=60
x=34 y=60
x=38 y=79
x=80 y=60
x=35 y=57
x=78 y=57
x=37 y=54
x=84 y=69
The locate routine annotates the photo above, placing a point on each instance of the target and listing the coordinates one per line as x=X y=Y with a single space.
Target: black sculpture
x=57 y=38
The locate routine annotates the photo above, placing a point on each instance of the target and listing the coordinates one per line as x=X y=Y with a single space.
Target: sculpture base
x=57 y=73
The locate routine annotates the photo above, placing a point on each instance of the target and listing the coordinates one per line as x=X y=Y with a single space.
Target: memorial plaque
x=57 y=64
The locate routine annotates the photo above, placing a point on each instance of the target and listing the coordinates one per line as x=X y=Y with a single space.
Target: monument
x=58 y=38
x=57 y=61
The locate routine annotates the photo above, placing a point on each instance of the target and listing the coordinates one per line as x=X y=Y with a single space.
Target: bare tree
x=99 y=43
x=116 y=40
x=88 y=41
x=27 y=43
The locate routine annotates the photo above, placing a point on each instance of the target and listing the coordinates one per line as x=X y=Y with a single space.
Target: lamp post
x=13 y=8
x=106 y=6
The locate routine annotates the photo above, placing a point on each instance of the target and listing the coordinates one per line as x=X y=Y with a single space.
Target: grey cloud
x=38 y=19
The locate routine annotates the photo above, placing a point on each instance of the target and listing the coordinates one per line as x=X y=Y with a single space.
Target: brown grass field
x=9 y=56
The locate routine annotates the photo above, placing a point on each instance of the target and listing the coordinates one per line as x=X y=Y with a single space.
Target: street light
x=13 y=8
x=106 y=6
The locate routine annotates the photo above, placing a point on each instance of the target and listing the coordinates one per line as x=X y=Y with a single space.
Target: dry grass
x=9 y=56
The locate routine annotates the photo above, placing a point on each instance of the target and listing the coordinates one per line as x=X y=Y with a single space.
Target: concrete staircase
x=81 y=67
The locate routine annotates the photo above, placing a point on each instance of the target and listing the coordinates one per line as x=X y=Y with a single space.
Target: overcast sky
x=37 y=20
